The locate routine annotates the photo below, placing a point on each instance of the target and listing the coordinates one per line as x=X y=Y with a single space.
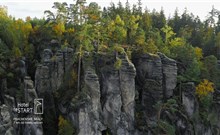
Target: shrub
x=65 y=128
x=204 y=88
x=118 y=63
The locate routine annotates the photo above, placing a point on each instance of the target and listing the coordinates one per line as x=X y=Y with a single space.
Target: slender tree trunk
x=79 y=69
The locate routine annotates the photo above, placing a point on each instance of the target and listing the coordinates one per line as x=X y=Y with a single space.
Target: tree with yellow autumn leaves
x=204 y=88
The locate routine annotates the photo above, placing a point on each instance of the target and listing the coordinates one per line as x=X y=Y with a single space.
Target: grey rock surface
x=49 y=77
x=169 y=70
x=6 y=125
x=30 y=96
x=149 y=80
x=118 y=94
x=108 y=97
x=156 y=79
x=88 y=115
x=188 y=98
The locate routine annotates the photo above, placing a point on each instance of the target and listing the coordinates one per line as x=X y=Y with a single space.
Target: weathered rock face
x=7 y=112
x=6 y=106
x=50 y=74
x=109 y=98
x=216 y=108
x=6 y=125
x=48 y=79
x=30 y=93
x=217 y=96
x=30 y=96
x=106 y=101
x=188 y=98
x=87 y=118
x=169 y=71
x=156 y=79
x=118 y=94
x=149 y=80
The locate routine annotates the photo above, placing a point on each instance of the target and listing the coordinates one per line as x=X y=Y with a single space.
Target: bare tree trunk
x=79 y=68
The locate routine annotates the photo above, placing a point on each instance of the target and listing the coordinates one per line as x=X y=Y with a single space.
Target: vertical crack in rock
x=30 y=95
x=48 y=79
x=149 y=80
x=89 y=114
x=188 y=98
x=118 y=91
x=169 y=70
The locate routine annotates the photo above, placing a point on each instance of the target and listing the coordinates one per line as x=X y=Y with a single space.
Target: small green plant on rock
x=118 y=63
x=164 y=126
x=65 y=128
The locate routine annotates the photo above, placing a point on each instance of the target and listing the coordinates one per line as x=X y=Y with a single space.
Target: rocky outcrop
x=156 y=79
x=188 y=98
x=118 y=94
x=87 y=118
x=123 y=99
x=169 y=71
x=50 y=74
x=48 y=78
x=30 y=96
x=149 y=81
x=216 y=110
x=30 y=93
x=6 y=124
x=109 y=97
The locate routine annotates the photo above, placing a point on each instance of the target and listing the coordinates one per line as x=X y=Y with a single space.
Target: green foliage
x=16 y=51
x=217 y=45
x=213 y=118
x=204 y=88
x=150 y=47
x=168 y=33
x=210 y=70
x=116 y=30
x=119 y=49
x=118 y=63
x=64 y=127
x=193 y=72
x=132 y=26
x=204 y=110
x=166 y=127
x=198 y=53
x=140 y=37
x=195 y=45
x=171 y=106
x=4 y=51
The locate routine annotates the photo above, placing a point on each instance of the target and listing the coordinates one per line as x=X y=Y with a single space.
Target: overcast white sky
x=35 y=8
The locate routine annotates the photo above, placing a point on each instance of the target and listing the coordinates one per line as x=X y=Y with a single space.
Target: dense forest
x=130 y=29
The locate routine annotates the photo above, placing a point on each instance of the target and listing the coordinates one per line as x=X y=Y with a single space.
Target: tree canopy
x=194 y=44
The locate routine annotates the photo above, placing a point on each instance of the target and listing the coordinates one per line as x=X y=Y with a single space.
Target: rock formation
x=188 y=98
x=111 y=100
x=156 y=79
x=30 y=96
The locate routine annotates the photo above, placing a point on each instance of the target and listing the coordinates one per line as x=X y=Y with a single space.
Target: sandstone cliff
x=135 y=99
